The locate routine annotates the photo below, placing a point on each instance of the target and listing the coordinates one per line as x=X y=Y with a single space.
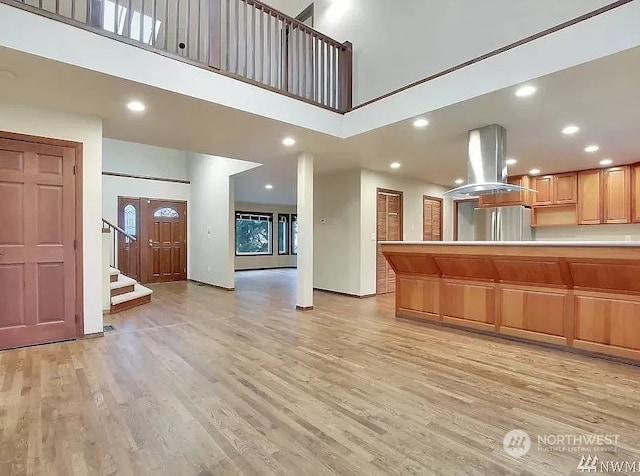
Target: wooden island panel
x=582 y=297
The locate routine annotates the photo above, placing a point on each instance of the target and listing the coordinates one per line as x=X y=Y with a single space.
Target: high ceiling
x=601 y=97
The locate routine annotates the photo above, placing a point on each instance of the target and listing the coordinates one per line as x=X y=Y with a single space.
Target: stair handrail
x=118 y=229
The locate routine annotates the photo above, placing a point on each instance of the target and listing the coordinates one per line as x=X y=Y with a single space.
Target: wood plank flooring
x=207 y=382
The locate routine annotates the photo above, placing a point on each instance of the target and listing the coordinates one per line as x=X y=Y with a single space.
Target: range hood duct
x=487 y=164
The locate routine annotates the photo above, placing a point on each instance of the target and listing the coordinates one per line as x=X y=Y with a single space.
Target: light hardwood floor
x=208 y=382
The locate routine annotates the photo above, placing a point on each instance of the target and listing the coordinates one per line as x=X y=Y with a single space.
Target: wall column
x=304 y=299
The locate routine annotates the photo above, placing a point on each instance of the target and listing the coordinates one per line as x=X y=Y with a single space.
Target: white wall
x=336 y=241
x=589 y=233
x=423 y=37
x=212 y=218
x=413 y=192
x=266 y=261
x=88 y=131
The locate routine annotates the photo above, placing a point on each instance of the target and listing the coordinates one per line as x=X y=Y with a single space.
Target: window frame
x=294 y=218
x=269 y=219
x=287 y=234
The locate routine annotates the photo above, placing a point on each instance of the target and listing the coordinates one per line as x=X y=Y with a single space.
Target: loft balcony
x=243 y=39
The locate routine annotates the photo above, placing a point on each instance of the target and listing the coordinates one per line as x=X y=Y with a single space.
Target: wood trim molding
x=211 y=285
x=264 y=269
x=79 y=231
x=501 y=50
x=358 y=296
x=145 y=177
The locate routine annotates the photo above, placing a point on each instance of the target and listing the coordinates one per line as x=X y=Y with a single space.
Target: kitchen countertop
x=594 y=244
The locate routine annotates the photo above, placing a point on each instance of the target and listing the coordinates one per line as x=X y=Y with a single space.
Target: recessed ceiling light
x=288 y=141
x=570 y=130
x=394 y=165
x=525 y=91
x=268 y=186
x=592 y=148
x=606 y=162
x=459 y=181
x=136 y=106
x=534 y=171
x=420 y=122
x=511 y=161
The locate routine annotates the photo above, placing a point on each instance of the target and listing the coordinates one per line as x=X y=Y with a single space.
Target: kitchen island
x=578 y=295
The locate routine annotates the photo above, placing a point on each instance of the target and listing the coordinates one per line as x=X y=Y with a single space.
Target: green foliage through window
x=253 y=233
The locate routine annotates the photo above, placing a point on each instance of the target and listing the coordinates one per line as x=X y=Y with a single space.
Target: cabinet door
x=590 y=197
x=617 y=195
x=487 y=201
x=565 y=188
x=544 y=187
x=635 y=193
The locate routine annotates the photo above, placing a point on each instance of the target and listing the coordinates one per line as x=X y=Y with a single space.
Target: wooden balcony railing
x=245 y=39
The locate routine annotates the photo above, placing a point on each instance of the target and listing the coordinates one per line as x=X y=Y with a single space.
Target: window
x=294 y=234
x=130 y=222
x=166 y=213
x=283 y=234
x=112 y=21
x=254 y=233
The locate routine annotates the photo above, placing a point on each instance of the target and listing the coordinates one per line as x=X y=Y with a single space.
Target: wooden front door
x=389 y=228
x=431 y=218
x=128 y=249
x=165 y=240
x=37 y=243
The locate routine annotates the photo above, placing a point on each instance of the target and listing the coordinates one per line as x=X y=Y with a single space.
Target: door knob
x=150 y=242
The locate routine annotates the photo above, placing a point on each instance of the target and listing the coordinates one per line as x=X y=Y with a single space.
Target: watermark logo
x=516 y=443
x=588 y=464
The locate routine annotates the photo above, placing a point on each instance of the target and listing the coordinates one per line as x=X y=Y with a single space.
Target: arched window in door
x=166 y=212
x=130 y=220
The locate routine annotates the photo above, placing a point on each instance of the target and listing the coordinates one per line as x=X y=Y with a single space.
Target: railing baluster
x=261 y=13
x=115 y=16
x=269 y=21
x=187 y=27
x=322 y=71
x=198 y=28
x=305 y=43
x=166 y=25
x=154 y=14
x=237 y=35
x=245 y=22
x=253 y=42
x=176 y=24
x=335 y=77
x=141 y=37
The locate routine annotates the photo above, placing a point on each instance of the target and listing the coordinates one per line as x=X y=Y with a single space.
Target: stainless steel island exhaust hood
x=487 y=164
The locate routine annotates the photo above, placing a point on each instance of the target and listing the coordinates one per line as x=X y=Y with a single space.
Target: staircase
x=126 y=293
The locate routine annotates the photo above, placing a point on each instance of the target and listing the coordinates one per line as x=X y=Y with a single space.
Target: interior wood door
x=128 y=249
x=37 y=243
x=389 y=228
x=431 y=218
x=165 y=240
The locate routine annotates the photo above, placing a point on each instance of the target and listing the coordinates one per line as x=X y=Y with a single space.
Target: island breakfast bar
x=580 y=295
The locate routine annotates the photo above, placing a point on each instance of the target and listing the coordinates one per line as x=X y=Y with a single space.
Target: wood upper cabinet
x=590 y=197
x=565 y=188
x=507 y=199
x=545 y=188
x=617 y=194
x=635 y=193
